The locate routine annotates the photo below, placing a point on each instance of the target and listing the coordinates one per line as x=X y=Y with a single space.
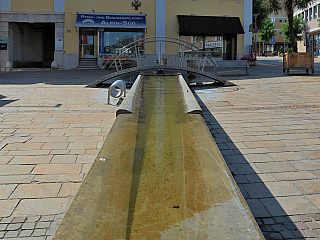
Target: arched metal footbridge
x=142 y=62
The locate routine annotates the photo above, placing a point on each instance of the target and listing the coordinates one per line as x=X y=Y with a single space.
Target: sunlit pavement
x=52 y=128
x=267 y=128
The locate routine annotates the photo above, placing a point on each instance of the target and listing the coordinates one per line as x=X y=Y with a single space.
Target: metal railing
x=203 y=58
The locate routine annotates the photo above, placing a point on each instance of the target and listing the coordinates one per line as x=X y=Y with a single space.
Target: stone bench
x=233 y=64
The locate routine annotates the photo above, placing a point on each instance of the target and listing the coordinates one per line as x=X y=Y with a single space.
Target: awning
x=208 y=25
x=105 y=20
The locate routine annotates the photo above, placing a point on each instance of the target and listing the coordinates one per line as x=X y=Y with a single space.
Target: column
x=247 y=20
x=160 y=24
x=59 y=6
x=4 y=34
x=5 y=5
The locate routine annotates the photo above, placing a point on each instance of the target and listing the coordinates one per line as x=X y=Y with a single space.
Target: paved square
x=267 y=128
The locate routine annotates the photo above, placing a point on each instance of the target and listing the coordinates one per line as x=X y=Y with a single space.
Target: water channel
x=159 y=175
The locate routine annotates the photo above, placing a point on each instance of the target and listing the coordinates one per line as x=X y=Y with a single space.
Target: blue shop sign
x=272 y=41
x=3 y=43
x=104 y=20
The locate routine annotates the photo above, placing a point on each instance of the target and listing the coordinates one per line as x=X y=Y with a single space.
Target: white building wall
x=247 y=20
x=312 y=28
x=5 y=5
x=59 y=6
x=16 y=43
x=160 y=24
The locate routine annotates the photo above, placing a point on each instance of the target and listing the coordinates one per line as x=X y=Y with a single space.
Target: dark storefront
x=33 y=44
x=226 y=28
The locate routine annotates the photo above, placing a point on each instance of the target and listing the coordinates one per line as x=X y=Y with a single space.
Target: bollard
x=116 y=89
x=8 y=66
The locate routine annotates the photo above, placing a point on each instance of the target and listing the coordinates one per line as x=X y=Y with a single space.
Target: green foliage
x=260 y=7
x=298 y=28
x=277 y=5
x=281 y=50
x=267 y=30
x=288 y=6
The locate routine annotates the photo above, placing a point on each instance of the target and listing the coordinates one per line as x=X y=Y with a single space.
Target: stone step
x=88 y=63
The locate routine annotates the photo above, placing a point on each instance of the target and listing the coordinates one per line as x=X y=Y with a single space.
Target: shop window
x=306 y=16
x=315 y=43
x=310 y=44
x=212 y=45
x=112 y=41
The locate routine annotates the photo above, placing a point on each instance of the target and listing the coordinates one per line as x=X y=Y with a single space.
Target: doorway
x=32 y=44
x=230 y=42
x=88 y=43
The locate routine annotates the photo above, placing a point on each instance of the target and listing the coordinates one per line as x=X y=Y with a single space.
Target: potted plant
x=250 y=60
x=280 y=52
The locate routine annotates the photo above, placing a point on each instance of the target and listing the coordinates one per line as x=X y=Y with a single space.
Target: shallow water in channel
x=163 y=178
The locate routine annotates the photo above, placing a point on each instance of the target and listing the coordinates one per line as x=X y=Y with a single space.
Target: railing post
x=120 y=64
x=204 y=62
x=160 y=57
x=135 y=50
x=115 y=63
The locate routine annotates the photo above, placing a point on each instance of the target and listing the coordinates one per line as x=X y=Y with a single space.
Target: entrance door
x=88 y=44
x=87 y=47
x=230 y=41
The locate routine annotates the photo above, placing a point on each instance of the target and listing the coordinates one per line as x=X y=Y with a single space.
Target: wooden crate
x=300 y=61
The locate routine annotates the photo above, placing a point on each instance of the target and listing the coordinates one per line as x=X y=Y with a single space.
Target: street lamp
x=255 y=15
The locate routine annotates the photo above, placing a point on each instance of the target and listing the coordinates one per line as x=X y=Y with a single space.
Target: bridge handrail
x=127 y=47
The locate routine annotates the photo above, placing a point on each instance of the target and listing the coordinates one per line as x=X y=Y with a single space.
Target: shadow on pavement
x=52 y=77
x=270 y=216
x=5 y=102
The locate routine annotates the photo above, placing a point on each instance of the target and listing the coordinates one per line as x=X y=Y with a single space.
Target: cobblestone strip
x=291 y=227
x=24 y=227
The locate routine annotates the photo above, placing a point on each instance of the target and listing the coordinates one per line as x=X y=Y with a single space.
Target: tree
x=298 y=29
x=288 y=6
x=259 y=7
x=267 y=31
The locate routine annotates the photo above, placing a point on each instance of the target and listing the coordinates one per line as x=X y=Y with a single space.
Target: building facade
x=311 y=37
x=34 y=33
x=278 y=41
